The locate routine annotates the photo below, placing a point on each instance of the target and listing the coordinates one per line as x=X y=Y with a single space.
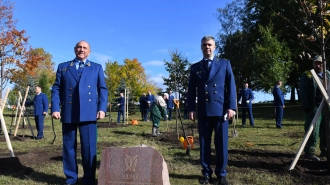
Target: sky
x=120 y=29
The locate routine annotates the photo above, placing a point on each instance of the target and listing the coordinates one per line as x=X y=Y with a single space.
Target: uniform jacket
x=80 y=97
x=169 y=101
x=121 y=102
x=246 y=94
x=143 y=103
x=150 y=98
x=216 y=90
x=308 y=88
x=278 y=97
x=40 y=104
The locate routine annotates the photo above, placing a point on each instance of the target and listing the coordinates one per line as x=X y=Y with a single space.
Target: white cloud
x=154 y=63
x=161 y=51
x=100 y=58
x=158 y=80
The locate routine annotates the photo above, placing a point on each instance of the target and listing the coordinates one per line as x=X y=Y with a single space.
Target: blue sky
x=142 y=29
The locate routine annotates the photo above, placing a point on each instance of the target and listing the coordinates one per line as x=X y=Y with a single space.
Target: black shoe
x=205 y=180
x=222 y=181
x=279 y=127
x=312 y=157
x=39 y=137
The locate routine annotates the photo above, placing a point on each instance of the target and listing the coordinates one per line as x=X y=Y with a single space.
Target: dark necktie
x=208 y=63
x=80 y=68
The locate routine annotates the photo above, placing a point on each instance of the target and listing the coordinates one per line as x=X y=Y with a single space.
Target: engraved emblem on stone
x=130 y=162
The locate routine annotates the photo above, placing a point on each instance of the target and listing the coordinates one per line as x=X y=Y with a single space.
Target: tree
x=178 y=69
x=37 y=62
x=132 y=73
x=272 y=60
x=13 y=43
x=44 y=84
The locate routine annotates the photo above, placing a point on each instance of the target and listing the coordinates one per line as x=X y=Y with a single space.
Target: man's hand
x=283 y=106
x=118 y=104
x=44 y=113
x=100 y=115
x=247 y=101
x=56 y=115
x=239 y=102
x=230 y=114
x=192 y=116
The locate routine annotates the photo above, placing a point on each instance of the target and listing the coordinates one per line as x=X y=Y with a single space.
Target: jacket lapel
x=73 y=70
x=215 y=66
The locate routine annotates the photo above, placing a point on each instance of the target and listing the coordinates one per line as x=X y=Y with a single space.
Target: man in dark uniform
x=121 y=107
x=278 y=103
x=40 y=104
x=185 y=104
x=143 y=105
x=81 y=90
x=170 y=105
x=311 y=98
x=247 y=96
x=150 y=98
x=216 y=104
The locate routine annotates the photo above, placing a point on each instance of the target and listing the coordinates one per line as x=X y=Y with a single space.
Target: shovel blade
x=234 y=133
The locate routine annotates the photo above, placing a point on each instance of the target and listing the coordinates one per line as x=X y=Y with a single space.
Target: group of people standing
x=81 y=91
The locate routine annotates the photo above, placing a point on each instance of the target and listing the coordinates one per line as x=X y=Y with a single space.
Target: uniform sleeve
x=45 y=103
x=192 y=90
x=231 y=88
x=102 y=91
x=55 y=98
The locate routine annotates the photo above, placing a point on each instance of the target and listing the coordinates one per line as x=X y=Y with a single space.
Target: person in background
x=143 y=106
x=40 y=104
x=247 y=96
x=278 y=103
x=170 y=105
x=216 y=104
x=311 y=98
x=157 y=111
x=185 y=104
x=81 y=90
x=121 y=107
x=150 y=98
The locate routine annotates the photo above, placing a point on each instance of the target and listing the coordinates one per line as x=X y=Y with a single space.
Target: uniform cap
x=317 y=58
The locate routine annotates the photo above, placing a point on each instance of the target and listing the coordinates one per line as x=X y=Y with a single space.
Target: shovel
x=234 y=131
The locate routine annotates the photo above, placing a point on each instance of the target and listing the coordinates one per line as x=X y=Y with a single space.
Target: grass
x=182 y=169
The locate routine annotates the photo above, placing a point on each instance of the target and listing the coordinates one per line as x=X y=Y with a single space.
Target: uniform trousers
x=88 y=140
x=206 y=126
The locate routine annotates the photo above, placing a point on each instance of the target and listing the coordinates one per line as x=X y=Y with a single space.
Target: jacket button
x=89 y=100
x=89 y=86
x=207 y=99
x=205 y=85
x=70 y=102
x=89 y=93
x=206 y=92
x=70 y=88
x=215 y=85
x=70 y=95
x=215 y=92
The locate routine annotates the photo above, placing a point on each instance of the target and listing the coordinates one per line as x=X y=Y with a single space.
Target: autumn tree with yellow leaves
x=133 y=74
x=37 y=63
